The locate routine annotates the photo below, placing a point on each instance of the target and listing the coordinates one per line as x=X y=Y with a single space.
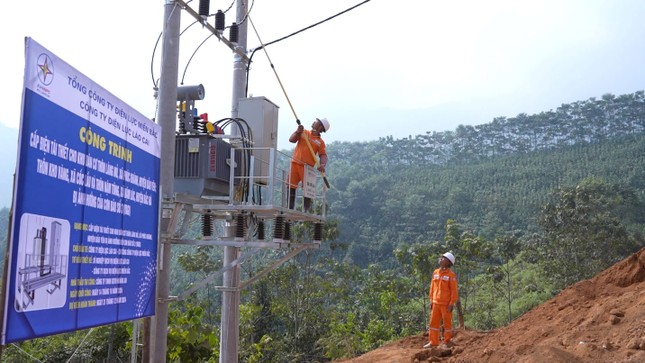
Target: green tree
x=190 y=339
x=584 y=231
x=506 y=248
x=343 y=338
x=107 y=343
x=471 y=252
x=4 y=230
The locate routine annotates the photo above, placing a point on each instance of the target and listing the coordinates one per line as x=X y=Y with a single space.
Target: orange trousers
x=438 y=313
x=296 y=175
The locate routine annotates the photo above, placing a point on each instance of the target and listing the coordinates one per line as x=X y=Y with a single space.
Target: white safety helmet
x=325 y=123
x=449 y=256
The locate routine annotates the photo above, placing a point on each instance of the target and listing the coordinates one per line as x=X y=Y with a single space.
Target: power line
x=316 y=24
x=248 y=66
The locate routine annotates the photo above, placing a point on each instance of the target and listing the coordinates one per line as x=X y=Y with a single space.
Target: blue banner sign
x=83 y=241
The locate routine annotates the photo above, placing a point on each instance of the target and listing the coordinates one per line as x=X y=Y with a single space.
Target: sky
x=387 y=68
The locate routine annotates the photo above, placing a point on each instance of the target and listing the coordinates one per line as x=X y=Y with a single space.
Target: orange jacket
x=443 y=287
x=302 y=153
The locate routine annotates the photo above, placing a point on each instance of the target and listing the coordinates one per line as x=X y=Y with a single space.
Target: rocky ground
x=596 y=320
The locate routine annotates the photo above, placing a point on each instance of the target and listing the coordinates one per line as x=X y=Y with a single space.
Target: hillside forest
x=529 y=205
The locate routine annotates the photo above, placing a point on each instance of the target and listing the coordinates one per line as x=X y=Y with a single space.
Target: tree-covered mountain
x=581 y=122
x=392 y=192
x=527 y=204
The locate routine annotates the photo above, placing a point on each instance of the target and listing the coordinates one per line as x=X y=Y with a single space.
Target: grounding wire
x=191 y=57
x=154 y=51
x=80 y=344
x=157 y=43
x=229 y=7
x=23 y=351
x=246 y=16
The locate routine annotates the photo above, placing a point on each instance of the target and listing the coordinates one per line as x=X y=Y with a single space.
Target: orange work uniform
x=302 y=155
x=443 y=293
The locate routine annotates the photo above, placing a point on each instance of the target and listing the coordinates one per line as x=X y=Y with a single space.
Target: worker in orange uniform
x=443 y=297
x=303 y=155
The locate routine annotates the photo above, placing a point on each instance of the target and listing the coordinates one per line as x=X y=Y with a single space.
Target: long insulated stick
x=311 y=149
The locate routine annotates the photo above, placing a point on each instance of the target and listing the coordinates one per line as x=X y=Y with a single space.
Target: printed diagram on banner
x=42 y=266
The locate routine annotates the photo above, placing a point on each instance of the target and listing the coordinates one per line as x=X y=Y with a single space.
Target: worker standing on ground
x=443 y=296
x=304 y=155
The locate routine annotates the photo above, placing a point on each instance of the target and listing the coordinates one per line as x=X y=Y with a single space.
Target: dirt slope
x=596 y=320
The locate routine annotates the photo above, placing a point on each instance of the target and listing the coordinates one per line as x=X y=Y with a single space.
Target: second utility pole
x=230 y=323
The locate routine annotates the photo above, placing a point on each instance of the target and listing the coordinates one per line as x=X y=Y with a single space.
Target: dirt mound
x=596 y=320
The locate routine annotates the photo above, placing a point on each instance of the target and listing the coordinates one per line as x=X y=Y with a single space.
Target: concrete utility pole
x=239 y=64
x=230 y=320
x=167 y=115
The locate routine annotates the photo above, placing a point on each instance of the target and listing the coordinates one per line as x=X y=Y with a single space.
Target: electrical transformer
x=203 y=165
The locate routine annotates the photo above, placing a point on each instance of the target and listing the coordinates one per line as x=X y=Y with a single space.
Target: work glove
x=450 y=308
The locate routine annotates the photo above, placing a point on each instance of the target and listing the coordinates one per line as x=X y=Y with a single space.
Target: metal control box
x=262 y=117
